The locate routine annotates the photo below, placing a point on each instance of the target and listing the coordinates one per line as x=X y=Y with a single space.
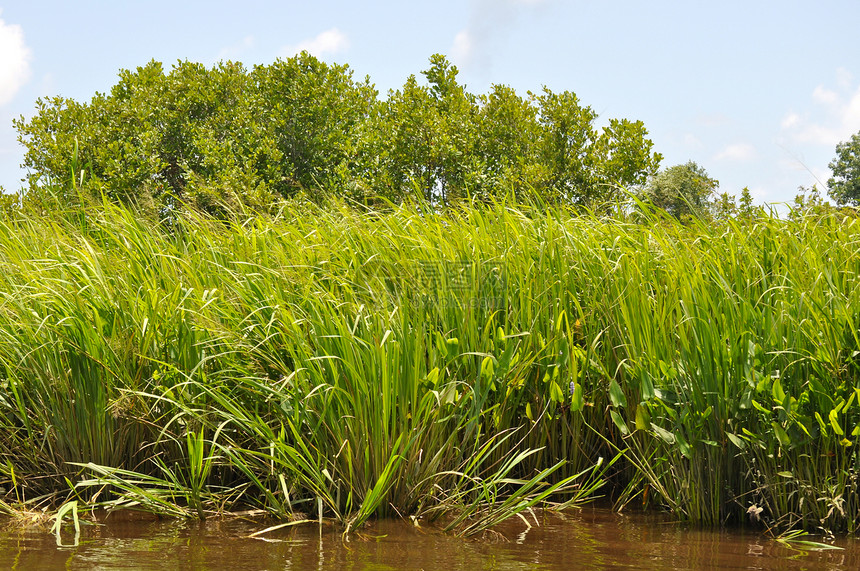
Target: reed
x=409 y=361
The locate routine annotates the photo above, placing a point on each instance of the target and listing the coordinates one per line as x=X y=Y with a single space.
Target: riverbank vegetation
x=225 y=288
x=465 y=363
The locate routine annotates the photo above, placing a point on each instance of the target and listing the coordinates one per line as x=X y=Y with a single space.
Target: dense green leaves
x=206 y=137
x=420 y=360
x=682 y=190
x=215 y=138
x=844 y=185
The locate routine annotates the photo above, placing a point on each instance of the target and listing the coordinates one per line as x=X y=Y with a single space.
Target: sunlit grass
x=415 y=363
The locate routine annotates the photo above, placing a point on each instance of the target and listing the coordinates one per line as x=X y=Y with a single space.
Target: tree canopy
x=684 y=190
x=844 y=185
x=211 y=137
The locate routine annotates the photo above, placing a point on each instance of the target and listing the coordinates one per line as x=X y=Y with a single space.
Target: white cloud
x=463 y=46
x=329 y=42
x=490 y=22
x=790 y=120
x=824 y=96
x=737 y=152
x=833 y=117
x=14 y=61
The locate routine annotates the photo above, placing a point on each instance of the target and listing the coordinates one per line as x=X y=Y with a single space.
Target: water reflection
x=592 y=538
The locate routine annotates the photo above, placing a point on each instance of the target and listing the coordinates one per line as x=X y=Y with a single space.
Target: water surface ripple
x=591 y=538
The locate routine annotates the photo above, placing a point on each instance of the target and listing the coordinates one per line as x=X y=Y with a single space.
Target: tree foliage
x=203 y=136
x=682 y=190
x=844 y=185
x=216 y=136
x=746 y=209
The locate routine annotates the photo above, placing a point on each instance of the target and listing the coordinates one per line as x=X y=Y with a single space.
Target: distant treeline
x=212 y=138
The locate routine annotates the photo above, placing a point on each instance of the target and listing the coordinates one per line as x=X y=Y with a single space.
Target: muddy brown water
x=591 y=538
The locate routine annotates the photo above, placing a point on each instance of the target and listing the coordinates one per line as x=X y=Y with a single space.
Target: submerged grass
x=413 y=363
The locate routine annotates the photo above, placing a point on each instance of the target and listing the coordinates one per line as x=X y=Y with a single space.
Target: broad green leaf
x=619 y=422
x=834 y=422
x=449 y=395
x=781 y=435
x=487 y=368
x=737 y=440
x=441 y=345
x=683 y=445
x=839 y=406
x=821 y=423
x=433 y=377
x=778 y=393
x=646 y=386
x=576 y=400
x=664 y=434
x=616 y=395
x=759 y=408
x=555 y=392
x=746 y=399
x=643 y=417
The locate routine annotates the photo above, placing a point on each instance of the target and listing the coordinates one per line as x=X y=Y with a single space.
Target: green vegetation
x=271 y=288
x=685 y=191
x=844 y=185
x=229 y=136
x=463 y=365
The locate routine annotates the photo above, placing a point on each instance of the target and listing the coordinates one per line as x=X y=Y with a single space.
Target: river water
x=590 y=538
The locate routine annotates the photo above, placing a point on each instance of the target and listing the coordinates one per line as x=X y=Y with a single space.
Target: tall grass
x=410 y=362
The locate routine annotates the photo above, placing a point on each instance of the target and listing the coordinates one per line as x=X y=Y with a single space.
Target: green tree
x=724 y=206
x=216 y=137
x=205 y=136
x=448 y=143
x=625 y=158
x=844 y=185
x=147 y=139
x=427 y=135
x=745 y=206
x=565 y=147
x=809 y=203
x=578 y=163
x=506 y=144
x=315 y=115
x=9 y=203
x=681 y=190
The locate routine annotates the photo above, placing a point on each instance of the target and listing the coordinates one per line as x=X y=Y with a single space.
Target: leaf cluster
x=218 y=137
x=844 y=185
x=685 y=190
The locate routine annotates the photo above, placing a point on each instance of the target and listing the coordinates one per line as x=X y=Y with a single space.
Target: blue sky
x=757 y=92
